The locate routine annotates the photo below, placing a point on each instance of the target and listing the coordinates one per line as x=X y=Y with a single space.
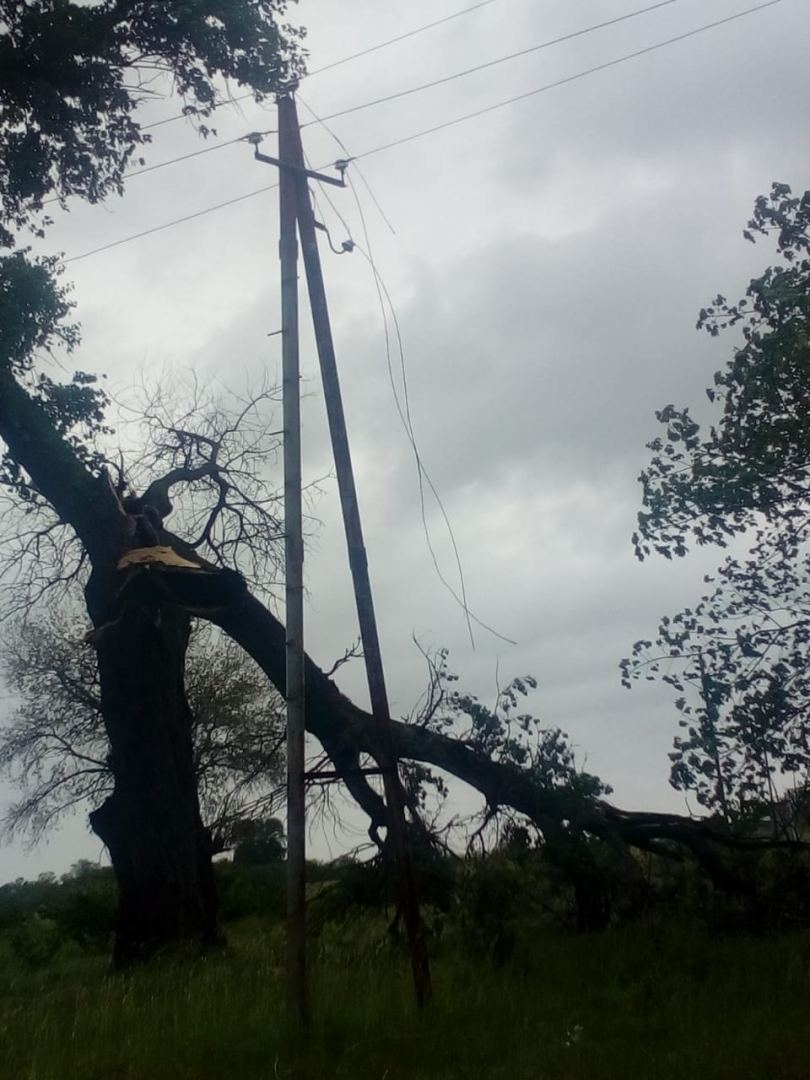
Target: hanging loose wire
x=329 y=131
x=403 y=406
x=423 y=475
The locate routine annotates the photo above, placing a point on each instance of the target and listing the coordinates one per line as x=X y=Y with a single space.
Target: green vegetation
x=518 y=993
x=631 y=1003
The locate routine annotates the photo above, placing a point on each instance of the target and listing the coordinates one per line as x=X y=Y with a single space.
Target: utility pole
x=386 y=751
x=297 y=1002
x=294 y=192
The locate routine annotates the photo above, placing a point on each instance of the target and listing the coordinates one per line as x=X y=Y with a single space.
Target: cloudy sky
x=547 y=265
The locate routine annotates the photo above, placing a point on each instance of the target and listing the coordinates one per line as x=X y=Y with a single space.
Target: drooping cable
x=317 y=120
x=404 y=412
x=424 y=477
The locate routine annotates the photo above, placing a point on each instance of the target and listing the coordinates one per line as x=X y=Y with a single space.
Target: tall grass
x=626 y=1005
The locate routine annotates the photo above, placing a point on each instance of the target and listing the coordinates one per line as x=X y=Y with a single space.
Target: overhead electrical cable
x=398 y=38
x=407 y=423
x=423 y=475
x=451 y=123
x=172 y=161
x=170 y=224
x=343 y=60
x=498 y=60
x=563 y=82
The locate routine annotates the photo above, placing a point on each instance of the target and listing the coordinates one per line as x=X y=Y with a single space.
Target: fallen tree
x=141 y=607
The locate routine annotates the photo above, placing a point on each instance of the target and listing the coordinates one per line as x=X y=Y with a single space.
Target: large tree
x=71 y=79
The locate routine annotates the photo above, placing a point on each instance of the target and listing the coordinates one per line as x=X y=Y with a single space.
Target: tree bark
x=151 y=823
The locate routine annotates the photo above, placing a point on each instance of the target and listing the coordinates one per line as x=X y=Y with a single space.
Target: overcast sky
x=547 y=267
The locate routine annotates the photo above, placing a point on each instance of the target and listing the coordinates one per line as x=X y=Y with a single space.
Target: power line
x=499 y=60
x=423 y=476
x=568 y=79
x=343 y=60
x=169 y=224
x=404 y=413
x=185 y=157
x=409 y=91
x=400 y=37
x=172 y=161
x=447 y=124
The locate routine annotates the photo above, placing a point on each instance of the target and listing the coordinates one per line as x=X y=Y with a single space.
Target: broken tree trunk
x=151 y=823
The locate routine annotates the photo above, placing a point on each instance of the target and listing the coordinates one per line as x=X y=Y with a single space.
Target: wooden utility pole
x=297 y=1004
x=386 y=751
x=295 y=193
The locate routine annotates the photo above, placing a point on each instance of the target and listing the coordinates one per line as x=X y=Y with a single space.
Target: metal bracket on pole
x=331 y=776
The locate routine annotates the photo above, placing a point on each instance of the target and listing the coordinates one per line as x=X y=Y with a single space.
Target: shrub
x=36 y=940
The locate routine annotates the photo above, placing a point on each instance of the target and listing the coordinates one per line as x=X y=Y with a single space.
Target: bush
x=36 y=941
x=246 y=890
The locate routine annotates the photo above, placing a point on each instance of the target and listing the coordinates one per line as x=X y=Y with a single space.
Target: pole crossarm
x=323 y=178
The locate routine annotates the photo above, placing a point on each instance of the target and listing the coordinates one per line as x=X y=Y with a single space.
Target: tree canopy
x=751 y=469
x=738 y=658
x=72 y=76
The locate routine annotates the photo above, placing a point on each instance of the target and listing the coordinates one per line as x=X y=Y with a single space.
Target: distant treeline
x=488 y=903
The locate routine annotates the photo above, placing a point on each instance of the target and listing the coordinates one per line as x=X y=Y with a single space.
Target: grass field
x=630 y=1004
